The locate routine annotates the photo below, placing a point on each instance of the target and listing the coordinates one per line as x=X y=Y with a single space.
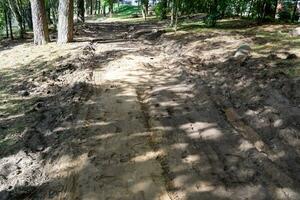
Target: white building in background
x=136 y=2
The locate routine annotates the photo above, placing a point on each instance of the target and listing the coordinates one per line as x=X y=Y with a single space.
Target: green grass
x=127 y=11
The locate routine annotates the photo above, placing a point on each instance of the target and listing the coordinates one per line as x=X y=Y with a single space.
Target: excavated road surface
x=151 y=131
x=147 y=129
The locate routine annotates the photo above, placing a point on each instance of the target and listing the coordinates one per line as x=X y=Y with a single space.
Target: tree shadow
x=171 y=132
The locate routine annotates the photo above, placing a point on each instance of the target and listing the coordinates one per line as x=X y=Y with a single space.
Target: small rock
x=278 y=123
x=242 y=53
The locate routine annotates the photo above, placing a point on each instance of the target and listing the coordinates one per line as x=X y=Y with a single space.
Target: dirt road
x=146 y=126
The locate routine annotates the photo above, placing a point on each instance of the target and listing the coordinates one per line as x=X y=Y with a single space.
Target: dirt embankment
x=37 y=98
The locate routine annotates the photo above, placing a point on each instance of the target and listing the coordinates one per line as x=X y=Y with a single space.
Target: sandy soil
x=128 y=112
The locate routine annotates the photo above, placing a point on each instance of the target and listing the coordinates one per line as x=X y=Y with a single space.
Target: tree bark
x=39 y=20
x=65 y=21
x=81 y=10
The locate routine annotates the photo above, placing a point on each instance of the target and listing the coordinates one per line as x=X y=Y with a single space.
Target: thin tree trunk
x=6 y=22
x=54 y=18
x=96 y=6
x=104 y=10
x=16 y=11
x=39 y=19
x=81 y=10
x=10 y=25
x=99 y=7
x=111 y=5
x=173 y=13
x=145 y=6
x=91 y=7
x=176 y=15
x=29 y=17
x=20 y=6
x=295 y=11
x=65 y=21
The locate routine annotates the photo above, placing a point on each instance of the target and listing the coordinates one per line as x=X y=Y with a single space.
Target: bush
x=2 y=21
x=160 y=10
x=284 y=15
x=211 y=20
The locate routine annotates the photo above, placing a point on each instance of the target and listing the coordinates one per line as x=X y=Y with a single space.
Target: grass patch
x=127 y=11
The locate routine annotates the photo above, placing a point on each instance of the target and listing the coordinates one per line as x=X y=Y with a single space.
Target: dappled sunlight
x=148 y=156
x=180 y=146
x=191 y=159
x=200 y=130
x=283 y=193
x=66 y=165
x=245 y=145
x=174 y=117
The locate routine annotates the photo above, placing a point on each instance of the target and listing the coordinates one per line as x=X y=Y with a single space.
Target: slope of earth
x=128 y=112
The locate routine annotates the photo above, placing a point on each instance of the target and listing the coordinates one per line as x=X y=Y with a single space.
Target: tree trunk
x=104 y=10
x=16 y=11
x=65 y=21
x=39 y=20
x=81 y=10
x=54 y=18
x=295 y=11
x=99 y=7
x=145 y=7
x=6 y=22
x=48 y=14
x=10 y=25
x=91 y=7
x=23 y=13
x=176 y=15
x=173 y=13
x=29 y=17
x=111 y=8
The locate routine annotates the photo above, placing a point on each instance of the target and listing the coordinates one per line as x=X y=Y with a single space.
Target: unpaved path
x=147 y=127
x=151 y=131
x=115 y=158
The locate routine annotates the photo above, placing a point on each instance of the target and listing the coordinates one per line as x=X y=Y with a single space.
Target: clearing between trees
x=130 y=111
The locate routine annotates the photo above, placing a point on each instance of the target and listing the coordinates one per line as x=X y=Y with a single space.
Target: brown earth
x=130 y=112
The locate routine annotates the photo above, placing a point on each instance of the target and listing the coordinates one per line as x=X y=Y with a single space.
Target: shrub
x=160 y=10
x=284 y=15
x=211 y=20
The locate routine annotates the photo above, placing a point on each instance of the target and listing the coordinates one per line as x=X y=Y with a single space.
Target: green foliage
x=2 y=21
x=211 y=20
x=2 y=17
x=127 y=11
x=160 y=10
x=285 y=15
